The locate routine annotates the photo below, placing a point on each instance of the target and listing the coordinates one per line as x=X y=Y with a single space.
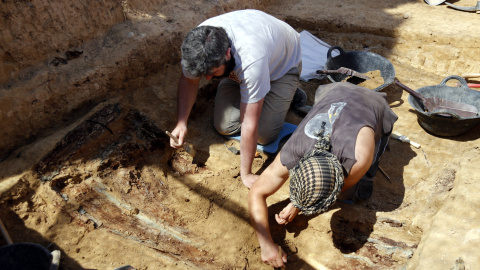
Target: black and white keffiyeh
x=317 y=179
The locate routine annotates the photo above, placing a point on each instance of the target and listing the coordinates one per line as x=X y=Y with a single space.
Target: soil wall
x=61 y=58
x=35 y=31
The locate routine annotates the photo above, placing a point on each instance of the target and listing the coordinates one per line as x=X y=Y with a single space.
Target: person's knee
x=226 y=119
x=265 y=140
x=267 y=137
x=220 y=128
x=225 y=127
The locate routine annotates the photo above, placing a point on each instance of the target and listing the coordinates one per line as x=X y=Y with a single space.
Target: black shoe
x=299 y=99
x=299 y=102
x=304 y=110
x=365 y=190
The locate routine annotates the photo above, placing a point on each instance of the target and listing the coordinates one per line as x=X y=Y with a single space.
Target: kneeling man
x=335 y=149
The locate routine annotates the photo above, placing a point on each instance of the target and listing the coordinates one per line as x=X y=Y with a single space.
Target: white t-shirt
x=264 y=47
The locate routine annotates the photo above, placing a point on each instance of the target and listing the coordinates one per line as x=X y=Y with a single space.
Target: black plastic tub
x=25 y=256
x=360 y=61
x=446 y=123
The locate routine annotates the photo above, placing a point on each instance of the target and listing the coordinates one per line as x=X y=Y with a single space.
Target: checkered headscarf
x=317 y=180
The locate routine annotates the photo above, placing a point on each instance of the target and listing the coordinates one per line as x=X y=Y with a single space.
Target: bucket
x=446 y=123
x=360 y=61
x=25 y=256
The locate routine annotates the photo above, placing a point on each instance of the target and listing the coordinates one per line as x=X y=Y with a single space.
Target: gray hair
x=204 y=48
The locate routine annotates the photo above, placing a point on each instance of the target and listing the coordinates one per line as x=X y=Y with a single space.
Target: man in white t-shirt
x=259 y=58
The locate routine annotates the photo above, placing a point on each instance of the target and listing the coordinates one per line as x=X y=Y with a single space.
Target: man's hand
x=180 y=132
x=249 y=179
x=287 y=214
x=273 y=255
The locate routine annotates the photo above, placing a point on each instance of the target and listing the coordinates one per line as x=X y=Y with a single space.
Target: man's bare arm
x=364 y=151
x=268 y=183
x=249 y=116
x=186 y=96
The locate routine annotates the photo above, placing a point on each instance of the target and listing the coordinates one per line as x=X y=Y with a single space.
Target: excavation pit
x=86 y=167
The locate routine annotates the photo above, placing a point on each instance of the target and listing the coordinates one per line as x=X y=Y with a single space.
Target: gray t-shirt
x=345 y=108
x=264 y=48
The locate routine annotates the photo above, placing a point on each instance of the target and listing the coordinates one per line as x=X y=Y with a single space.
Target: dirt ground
x=88 y=89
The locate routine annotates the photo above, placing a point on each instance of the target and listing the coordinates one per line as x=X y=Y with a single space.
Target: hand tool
x=232 y=149
x=188 y=147
x=397 y=135
x=384 y=173
x=432 y=104
x=346 y=71
x=471 y=75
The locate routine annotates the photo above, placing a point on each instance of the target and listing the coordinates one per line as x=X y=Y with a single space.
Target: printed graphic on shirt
x=312 y=128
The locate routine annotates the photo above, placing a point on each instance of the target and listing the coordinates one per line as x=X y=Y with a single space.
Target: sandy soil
x=88 y=89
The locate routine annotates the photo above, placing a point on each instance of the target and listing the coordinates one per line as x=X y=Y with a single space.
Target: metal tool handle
x=328 y=71
x=403 y=138
x=409 y=90
x=471 y=75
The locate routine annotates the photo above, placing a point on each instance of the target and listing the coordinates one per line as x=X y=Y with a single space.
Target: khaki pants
x=275 y=107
